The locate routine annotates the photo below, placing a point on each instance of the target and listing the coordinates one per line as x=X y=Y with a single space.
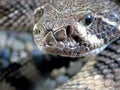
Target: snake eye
x=88 y=19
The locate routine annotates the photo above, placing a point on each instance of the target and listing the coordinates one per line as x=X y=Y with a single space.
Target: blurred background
x=24 y=67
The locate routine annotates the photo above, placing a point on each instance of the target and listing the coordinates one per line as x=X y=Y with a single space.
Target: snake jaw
x=69 y=41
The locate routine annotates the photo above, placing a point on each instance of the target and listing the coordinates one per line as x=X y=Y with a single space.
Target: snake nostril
x=69 y=30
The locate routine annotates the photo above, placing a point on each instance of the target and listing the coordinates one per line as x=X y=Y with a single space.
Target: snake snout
x=64 y=41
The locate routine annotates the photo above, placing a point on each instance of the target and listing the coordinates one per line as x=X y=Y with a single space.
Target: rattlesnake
x=73 y=28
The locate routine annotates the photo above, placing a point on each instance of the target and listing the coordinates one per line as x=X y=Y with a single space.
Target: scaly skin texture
x=18 y=14
x=102 y=73
x=61 y=28
x=74 y=28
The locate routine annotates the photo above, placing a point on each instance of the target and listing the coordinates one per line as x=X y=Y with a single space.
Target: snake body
x=73 y=28
x=100 y=73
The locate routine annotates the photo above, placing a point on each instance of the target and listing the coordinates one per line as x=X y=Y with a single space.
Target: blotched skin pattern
x=75 y=28
x=72 y=28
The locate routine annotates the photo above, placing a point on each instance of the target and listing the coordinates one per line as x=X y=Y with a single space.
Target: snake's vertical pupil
x=88 y=19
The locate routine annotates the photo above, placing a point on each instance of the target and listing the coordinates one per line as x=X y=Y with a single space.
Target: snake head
x=74 y=31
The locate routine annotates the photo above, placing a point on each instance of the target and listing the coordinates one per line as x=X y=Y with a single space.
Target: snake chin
x=73 y=52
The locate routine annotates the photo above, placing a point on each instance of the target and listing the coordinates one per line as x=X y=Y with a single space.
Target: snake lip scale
x=68 y=43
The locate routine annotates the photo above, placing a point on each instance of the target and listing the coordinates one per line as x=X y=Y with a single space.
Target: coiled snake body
x=73 y=28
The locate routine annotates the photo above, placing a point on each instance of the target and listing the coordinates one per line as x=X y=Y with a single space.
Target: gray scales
x=73 y=28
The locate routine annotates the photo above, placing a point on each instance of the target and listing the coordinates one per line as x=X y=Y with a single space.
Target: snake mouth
x=66 y=42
